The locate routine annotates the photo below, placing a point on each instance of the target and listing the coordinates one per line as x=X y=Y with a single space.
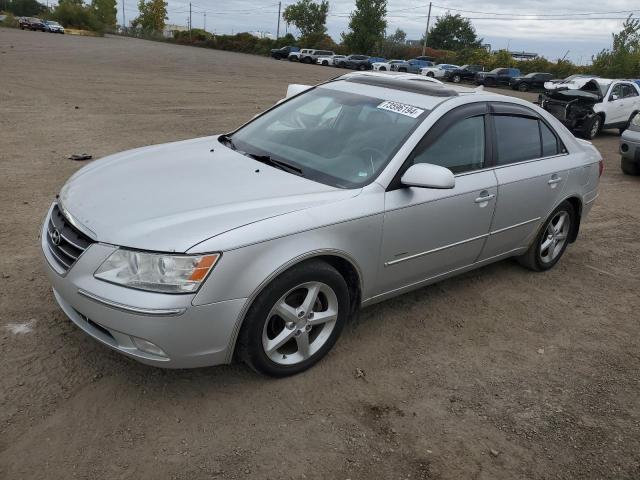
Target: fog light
x=148 y=347
x=624 y=148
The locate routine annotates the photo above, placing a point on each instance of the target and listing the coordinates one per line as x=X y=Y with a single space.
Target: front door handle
x=484 y=197
x=554 y=179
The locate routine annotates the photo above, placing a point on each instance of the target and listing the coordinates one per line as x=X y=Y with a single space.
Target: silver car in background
x=630 y=148
x=260 y=244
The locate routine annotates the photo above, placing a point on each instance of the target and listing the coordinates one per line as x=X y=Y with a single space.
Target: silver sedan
x=261 y=243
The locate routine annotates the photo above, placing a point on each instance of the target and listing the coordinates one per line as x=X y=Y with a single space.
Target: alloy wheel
x=300 y=323
x=555 y=237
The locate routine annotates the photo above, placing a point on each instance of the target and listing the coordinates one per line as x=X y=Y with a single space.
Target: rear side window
x=549 y=141
x=460 y=148
x=517 y=139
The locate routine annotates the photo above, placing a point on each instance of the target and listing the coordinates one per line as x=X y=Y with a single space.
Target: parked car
x=572 y=82
x=411 y=66
x=384 y=66
x=282 y=53
x=357 y=62
x=531 y=81
x=465 y=72
x=497 y=76
x=312 y=58
x=438 y=71
x=630 y=148
x=32 y=23
x=327 y=60
x=599 y=104
x=300 y=54
x=53 y=26
x=260 y=244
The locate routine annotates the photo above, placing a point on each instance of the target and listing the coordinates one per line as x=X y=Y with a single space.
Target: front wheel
x=456 y=79
x=430 y=74
x=295 y=321
x=552 y=240
x=592 y=127
x=523 y=87
x=383 y=69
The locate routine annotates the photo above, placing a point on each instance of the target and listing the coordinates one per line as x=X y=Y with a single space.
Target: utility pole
x=426 y=32
x=205 y=21
x=124 y=21
x=189 y=21
x=278 y=31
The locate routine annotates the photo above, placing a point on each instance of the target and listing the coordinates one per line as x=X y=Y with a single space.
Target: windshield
x=495 y=70
x=340 y=139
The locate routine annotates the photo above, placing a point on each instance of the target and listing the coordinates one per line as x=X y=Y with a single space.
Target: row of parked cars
x=35 y=24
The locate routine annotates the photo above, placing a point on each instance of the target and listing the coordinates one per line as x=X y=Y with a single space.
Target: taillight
x=600 y=167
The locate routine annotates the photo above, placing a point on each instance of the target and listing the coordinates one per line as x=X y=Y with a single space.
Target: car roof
x=416 y=90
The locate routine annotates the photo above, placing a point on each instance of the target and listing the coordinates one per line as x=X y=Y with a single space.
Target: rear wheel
x=402 y=70
x=489 y=82
x=362 y=68
x=456 y=78
x=629 y=167
x=383 y=69
x=552 y=240
x=430 y=74
x=523 y=87
x=295 y=321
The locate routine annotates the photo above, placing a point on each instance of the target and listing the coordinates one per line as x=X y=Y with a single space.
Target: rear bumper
x=118 y=317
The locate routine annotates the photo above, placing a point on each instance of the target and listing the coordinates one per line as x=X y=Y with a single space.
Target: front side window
x=460 y=148
x=517 y=139
x=337 y=138
x=629 y=91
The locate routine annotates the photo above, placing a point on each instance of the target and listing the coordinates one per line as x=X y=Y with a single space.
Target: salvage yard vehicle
x=356 y=62
x=384 y=66
x=497 y=76
x=599 y=104
x=438 y=71
x=261 y=243
x=32 y=23
x=530 y=81
x=317 y=54
x=282 y=53
x=329 y=60
x=411 y=66
x=297 y=56
x=572 y=82
x=630 y=148
x=465 y=72
x=53 y=26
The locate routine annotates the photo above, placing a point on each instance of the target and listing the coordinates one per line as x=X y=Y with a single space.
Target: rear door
x=532 y=167
x=430 y=232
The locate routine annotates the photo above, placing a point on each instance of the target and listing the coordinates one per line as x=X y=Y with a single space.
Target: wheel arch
x=576 y=203
x=341 y=261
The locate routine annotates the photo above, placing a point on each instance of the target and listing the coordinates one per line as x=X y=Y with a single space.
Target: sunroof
x=414 y=85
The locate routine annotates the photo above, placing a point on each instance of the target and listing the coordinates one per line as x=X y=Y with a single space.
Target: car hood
x=171 y=197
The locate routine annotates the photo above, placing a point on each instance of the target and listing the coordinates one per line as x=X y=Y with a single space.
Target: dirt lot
x=498 y=374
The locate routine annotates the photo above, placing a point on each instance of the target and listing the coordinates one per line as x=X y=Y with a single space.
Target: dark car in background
x=465 y=72
x=497 y=76
x=356 y=62
x=32 y=23
x=411 y=66
x=531 y=81
x=282 y=53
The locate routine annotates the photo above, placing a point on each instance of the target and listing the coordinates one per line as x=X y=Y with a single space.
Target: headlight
x=157 y=272
x=636 y=120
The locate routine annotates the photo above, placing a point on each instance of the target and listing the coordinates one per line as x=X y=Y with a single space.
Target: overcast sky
x=533 y=26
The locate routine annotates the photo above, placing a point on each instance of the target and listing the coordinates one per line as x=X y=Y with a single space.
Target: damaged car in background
x=599 y=104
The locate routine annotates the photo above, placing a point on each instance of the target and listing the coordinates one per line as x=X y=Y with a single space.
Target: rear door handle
x=554 y=180
x=484 y=197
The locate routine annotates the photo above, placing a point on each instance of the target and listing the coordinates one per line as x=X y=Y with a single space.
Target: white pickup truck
x=598 y=104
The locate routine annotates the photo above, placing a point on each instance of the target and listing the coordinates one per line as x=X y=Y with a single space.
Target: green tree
x=75 y=14
x=309 y=17
x=153 y=14
x=366 y=26
x=24 y=8
x=623 y=58
x=105 y=11
x=399 y=36
x=453 y=32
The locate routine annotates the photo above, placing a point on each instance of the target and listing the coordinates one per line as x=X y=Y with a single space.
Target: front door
x=429 y=232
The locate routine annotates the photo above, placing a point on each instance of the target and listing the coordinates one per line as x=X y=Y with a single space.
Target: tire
x=325 y=63
x=291 y=59
x=488 y=82
x=523 y=87
x=629 y=167
x=456 y=79
x=551 y=241
x=258 y=343
x=362 y=68
x=430 y=74
x=592 y=127
x=383 y=69
x=404 y=70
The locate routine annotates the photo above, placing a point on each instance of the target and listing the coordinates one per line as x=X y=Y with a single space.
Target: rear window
x=517 y=138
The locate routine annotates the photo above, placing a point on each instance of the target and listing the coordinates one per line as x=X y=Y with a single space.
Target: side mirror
x=613 y=97
x=426 y=175
x=296 y=88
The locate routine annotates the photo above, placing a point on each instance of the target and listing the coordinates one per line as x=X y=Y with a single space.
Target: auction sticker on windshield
x=401 y=108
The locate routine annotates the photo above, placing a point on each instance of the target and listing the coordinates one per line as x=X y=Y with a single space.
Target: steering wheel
x=370 y=157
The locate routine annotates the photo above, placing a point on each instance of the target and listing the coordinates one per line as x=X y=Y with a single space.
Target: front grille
x=66 y=243
x=558 y=110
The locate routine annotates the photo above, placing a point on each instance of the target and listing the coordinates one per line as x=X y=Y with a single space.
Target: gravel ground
x=498 y=374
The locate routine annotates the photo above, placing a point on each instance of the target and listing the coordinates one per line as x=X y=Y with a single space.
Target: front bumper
x=189 y=335
x=630 y=145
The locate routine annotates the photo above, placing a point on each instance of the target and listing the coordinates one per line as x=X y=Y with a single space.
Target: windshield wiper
x=276 y=163
x=226 y=140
